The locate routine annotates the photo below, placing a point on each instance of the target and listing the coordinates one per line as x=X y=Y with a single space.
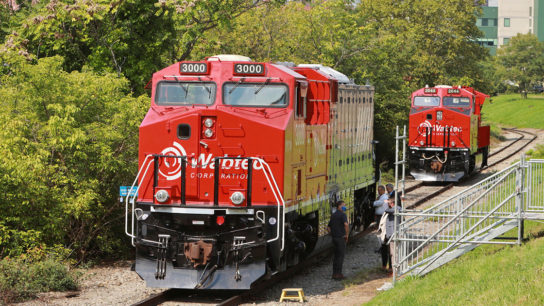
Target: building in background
x=503 y=19
x=538 y=20
x=488 y=24
x=515 y=16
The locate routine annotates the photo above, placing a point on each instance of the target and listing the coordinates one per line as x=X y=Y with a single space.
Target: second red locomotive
x=447 y=140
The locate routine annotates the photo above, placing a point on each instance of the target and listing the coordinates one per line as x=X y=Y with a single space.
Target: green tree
x=68 y=141
x=522 y=61
x=324 y=32
x=133 y=38
x=398 y=46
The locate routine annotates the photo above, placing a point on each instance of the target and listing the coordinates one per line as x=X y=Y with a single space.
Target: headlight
x=439 y=115
x=421 y=142
x=162 y=196
x=453 y=143
x=237 y=198
x=208 y=133
x=208 y=123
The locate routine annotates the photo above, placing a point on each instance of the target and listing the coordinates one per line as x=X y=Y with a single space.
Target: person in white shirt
x=380 y=205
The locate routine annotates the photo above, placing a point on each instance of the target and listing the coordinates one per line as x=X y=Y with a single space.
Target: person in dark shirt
x=392 y=193
x=339 y=229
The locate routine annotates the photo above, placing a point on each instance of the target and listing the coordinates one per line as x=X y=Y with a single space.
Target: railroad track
x=442 y=189
x=228 y=298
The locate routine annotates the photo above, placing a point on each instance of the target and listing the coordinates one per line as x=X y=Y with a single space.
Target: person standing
x=388 y=249
x=392 y=193
x=339 y=229
x=380 y=205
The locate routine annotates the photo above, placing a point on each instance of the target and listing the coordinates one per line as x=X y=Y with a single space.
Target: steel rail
x=510 y=144
x=517 y=150
x=449 y=186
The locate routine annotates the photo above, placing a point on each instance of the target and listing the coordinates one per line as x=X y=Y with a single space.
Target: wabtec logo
x=426 y=127
x=171 y=167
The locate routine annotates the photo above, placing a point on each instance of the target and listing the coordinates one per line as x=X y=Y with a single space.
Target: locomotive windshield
x=426 y=101
x=456 y=101
x=184 y=93
x=255 y=94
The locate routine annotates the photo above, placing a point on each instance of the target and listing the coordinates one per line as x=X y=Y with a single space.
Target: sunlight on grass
x=513 y=111
x=489 y=275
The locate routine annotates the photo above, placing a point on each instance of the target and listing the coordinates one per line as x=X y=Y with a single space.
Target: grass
x=489 y=275
x=513 y=111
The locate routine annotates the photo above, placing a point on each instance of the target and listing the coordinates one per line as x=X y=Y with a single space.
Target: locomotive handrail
x=271 y=182
x=131 y=234
x=278 y=197
x=265 y=167
x=216 y=179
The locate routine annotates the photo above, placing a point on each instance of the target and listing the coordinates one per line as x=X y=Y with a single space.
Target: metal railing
x=426 y=239
x=260 y=164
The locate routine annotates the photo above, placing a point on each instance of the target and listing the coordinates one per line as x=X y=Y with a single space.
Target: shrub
x=536 y=153
x=22 y=279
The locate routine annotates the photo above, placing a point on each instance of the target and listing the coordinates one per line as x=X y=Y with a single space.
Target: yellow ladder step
x=286 y=296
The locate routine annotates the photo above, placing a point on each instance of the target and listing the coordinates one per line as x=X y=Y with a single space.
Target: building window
x=530 y=11
x=493 y=22
x=506 y=40
x=484 y=22
x=506 y=22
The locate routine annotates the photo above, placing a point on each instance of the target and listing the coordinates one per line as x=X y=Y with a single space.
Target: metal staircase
x=427 y=239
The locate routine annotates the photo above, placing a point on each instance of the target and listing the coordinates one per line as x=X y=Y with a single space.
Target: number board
x=249 y=69
x=454 y=91
x=429 y=90
x=193 y=68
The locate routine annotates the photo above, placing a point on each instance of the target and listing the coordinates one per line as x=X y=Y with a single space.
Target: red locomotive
x=446 y=138
x=240 y=164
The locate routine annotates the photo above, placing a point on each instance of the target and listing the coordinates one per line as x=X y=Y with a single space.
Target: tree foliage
x=72 y=72
x=133 y=38
x=522 y=61
x=68 y=141
x=396 y=46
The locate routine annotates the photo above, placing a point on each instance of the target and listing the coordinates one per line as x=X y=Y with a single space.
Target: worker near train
x=339 y=229
x=380 y=205
x=387 y=229
x=392 y=193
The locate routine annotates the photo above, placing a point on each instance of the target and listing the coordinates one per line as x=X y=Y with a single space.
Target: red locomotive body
x=240 y=163
x=446 y=138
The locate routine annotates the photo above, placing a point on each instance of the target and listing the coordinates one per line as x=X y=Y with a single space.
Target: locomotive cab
x=446 y=138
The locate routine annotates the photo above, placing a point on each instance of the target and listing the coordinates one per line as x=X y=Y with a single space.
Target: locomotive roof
x=340 y=77
x=289 y=71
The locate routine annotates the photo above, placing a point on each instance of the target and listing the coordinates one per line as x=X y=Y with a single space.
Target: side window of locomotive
x=301 y=93
x=170 y=93
x=456 y=101
x=426 y=101
x=255 y=94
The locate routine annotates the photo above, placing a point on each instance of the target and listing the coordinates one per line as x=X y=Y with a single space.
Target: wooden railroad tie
x=298 y=297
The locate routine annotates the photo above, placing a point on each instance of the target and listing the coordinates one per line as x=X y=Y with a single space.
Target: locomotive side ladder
x=428 y=239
